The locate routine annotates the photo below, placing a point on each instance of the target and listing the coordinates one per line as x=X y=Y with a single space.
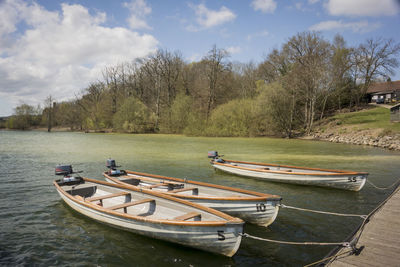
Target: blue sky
x=52 y=47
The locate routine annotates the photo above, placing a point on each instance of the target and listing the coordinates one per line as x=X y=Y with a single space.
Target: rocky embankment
x=363 y=137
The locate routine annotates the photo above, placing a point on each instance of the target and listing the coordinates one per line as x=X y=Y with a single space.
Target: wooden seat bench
x=149 y=179
x=155 y=185
x=79 y=197
x=189 y=216
x=107 y=196
x=194 y=189
x=133 y=203
x=91 y=199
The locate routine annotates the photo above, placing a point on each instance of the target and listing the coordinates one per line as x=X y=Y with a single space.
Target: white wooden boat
x=253 y=207
x=348 y=180
x=153 y=214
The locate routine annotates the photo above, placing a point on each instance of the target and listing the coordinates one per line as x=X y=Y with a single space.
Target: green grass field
x=376 y=118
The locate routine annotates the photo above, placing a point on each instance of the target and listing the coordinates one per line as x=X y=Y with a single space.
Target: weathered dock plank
x=380 y=238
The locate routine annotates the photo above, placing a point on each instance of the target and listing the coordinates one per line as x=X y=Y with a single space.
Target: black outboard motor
x=215 y=157
x=66 y=171
x=212 y=154
x=63 y=170
x=110 y=164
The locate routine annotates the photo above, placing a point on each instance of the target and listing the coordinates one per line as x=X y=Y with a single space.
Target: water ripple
x=37 y=228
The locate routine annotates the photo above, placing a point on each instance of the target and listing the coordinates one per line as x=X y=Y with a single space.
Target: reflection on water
x=38 y=228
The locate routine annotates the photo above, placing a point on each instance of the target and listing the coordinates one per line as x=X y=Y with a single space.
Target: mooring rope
x=324 y=212
x=360 y=230
x=352 y=244
x=383 y=188
x=328 y=258
x=344 y=244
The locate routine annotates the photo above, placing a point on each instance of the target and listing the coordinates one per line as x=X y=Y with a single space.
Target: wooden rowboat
x=348 y=180
x=253 y=207
x=153 y=214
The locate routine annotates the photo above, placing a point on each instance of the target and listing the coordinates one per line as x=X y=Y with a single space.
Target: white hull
x=204 y=236
x=348 y=181
x=262 y=213
x=257 y=208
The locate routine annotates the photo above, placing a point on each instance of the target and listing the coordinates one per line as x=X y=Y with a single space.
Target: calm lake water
x=37 y=228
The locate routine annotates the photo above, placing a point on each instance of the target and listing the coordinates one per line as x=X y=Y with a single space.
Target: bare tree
x=341 y=70
x=310 y=57
x=245 y=79
x=276 y=65
x=91 y=104
x=374 y=59
x=111 y=76
x=215 y=62
x=134 y=79
x=49 y=105
x=152 y=70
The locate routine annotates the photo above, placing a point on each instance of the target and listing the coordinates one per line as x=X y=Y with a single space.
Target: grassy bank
x=375 y=118
x=366 y=127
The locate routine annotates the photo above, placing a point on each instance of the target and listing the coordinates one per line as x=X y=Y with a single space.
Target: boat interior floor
x=179 y=188
x=125 y=203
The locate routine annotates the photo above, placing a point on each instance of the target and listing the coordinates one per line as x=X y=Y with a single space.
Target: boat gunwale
x=258 y=196
x=229 y=219
x=333 y=172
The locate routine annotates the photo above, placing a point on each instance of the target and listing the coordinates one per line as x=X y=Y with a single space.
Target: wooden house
x=384 y=92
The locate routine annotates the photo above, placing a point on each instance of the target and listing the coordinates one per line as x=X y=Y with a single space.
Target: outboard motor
x=63 y=170
x=110 y=164
x=66 y=171
x=215 y=157
x=212 y=154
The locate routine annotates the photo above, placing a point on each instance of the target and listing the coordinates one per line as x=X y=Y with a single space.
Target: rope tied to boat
x=356 y=237
x=384 y=188
x=343 y=244
x=324 y=212
x=328 y=258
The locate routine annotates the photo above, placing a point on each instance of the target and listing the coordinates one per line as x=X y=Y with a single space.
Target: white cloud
x=60 y=53
x=233 y=49
x=265 y=6
x=138 y=11
x=311 y=2
x=207 y=18
x=8 y=18
x=363 y=7
x=362 y=26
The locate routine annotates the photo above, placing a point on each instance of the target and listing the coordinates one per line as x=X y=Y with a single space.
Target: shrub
x=235 y=118
x=196 y=124
x=178 y=116
x=278 y=108
x=133 y=117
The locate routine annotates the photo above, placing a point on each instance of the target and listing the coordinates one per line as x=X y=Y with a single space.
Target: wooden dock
x=380 y=238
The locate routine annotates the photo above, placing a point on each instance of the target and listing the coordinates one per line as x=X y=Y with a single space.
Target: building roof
x=384 y=87
x=383 y=92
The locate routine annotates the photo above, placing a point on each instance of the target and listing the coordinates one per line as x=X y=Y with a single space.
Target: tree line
x=305 y=80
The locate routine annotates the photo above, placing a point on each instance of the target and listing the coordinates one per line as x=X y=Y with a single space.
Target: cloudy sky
x=55 y=47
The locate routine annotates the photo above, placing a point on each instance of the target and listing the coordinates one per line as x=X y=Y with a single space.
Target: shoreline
x=360 y=137
x=363 y=137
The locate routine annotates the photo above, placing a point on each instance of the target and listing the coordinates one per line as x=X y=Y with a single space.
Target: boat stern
x=362 y=179
x=268 y=211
